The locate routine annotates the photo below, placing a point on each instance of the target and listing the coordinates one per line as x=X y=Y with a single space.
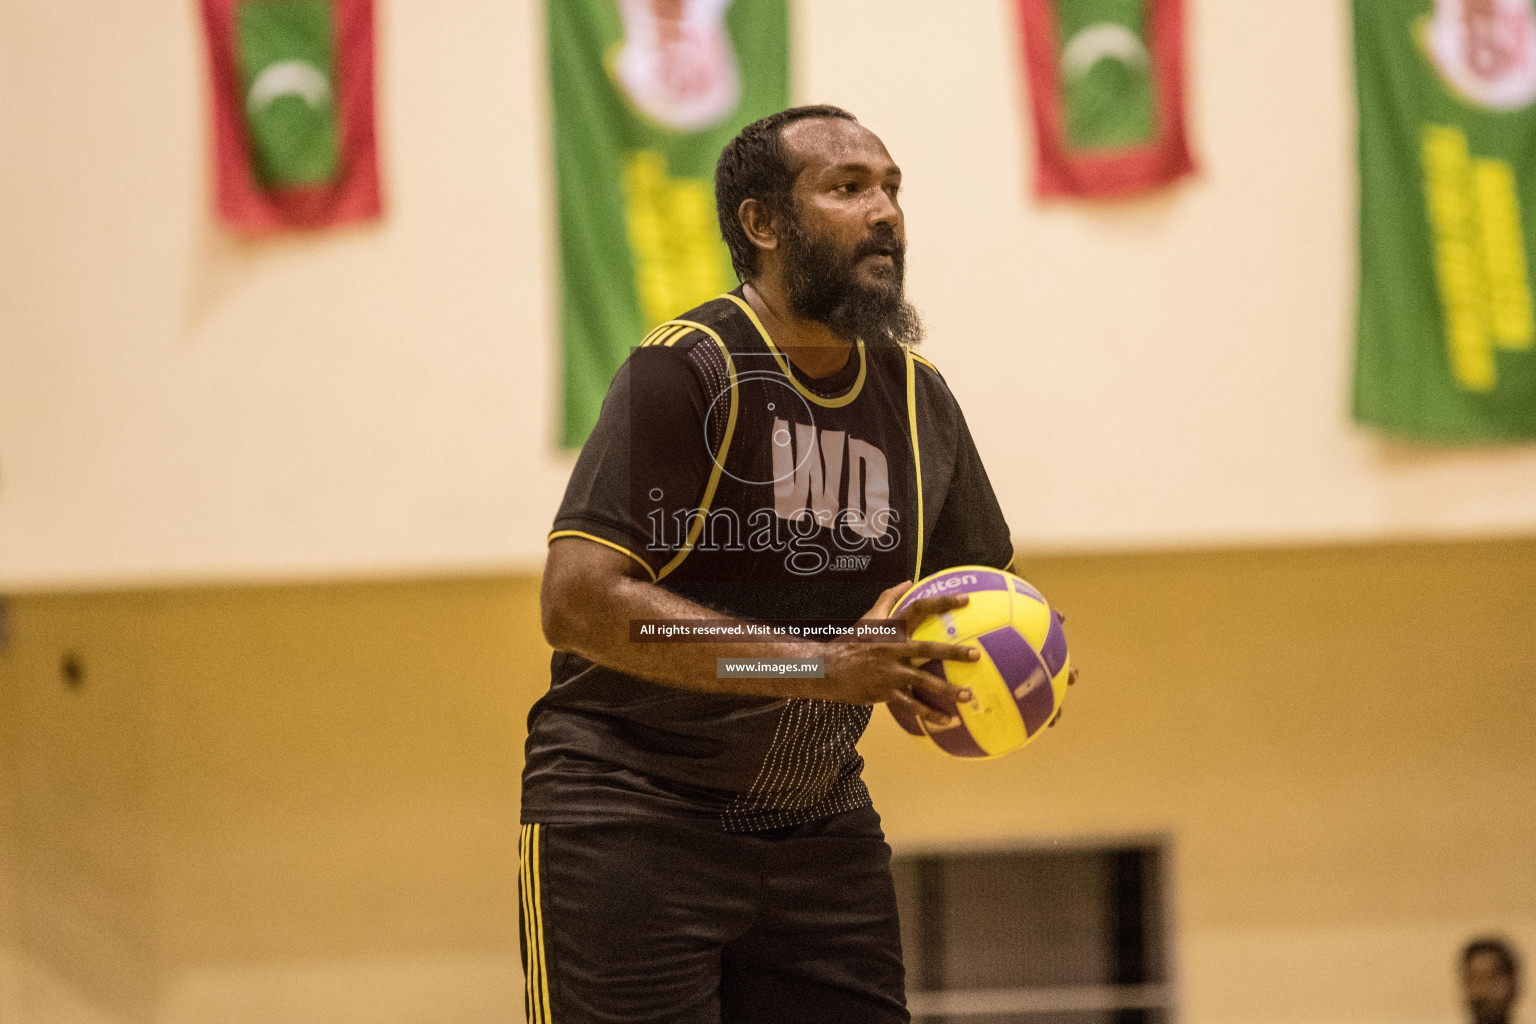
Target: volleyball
x=1018 y=683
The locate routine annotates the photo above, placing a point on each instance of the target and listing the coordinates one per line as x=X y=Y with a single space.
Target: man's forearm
x=595 y=625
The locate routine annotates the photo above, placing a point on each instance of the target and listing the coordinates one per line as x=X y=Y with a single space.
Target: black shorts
x=662 y=922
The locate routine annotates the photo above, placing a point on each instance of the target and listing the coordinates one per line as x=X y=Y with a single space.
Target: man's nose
x=884 y=210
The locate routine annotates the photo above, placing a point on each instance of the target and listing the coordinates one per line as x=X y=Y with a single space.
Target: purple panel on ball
x=959 y=581
x=954 y=739
x=1011 y=654
x=1054 y=651
x=1024 y=675
x=934 y=668
x=1027 y=590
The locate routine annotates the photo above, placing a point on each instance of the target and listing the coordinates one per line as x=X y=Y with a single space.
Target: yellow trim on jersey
x=535 y=968
x=925 y=362
x=829 y=403
x=714 y=474
x=917 y=461
x=664 y=334
x=606 y=543
x=658 y=329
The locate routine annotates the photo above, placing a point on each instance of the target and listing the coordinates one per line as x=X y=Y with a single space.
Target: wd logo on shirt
x=831 y=507
x=808 y=478
x=826 y=480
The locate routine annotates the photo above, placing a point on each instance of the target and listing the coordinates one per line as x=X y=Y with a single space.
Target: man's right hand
x=877 y=673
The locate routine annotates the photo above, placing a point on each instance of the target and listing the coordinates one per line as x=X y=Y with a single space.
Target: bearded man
x=1490 y=979
x=697 y=844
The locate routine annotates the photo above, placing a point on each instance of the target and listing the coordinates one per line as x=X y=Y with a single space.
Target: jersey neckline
x=833 y=402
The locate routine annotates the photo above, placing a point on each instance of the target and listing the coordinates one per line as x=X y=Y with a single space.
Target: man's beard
x=823 y=285
x=1489 y=1012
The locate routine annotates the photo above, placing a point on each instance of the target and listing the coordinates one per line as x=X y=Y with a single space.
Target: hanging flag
x=1447 y=92
x=1106 y=81
x=292 y=89
x=647 y=93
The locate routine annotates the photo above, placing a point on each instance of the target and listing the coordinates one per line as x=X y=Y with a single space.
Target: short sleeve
x=647 y=461
x=970 y=528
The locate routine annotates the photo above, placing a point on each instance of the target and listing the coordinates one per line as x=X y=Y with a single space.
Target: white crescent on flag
x=289 y=78
x=1099 y=41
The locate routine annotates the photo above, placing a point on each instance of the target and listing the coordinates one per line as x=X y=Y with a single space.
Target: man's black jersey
x=742 y=485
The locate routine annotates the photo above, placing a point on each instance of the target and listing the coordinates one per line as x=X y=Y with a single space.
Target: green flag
x=1106 y=73
x=286 y=56
x=646 y=94
x=1447 y=92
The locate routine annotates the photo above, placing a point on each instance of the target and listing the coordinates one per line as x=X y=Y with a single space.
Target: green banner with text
x=646 y=94
x=1447 y=92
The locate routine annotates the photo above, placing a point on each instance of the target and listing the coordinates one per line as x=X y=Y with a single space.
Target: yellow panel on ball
x=985 y=612
x=1031 y=617
x=990 y=716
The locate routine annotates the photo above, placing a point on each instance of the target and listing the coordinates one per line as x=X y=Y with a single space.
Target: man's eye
x=848 y=188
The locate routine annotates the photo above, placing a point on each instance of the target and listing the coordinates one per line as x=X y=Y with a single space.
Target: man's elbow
x=556 y=620
x=579 y=594
x=555 y=609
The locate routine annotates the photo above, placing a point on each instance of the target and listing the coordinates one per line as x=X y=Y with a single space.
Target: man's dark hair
x=755 y=165
x=1499 y=948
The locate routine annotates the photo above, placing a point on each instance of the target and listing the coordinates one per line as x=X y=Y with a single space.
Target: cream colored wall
x=288 y=804
x=178 y=405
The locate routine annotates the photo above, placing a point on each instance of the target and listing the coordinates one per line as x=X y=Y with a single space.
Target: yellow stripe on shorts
x=535 y=971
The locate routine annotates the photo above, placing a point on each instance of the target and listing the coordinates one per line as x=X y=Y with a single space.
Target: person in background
x=1490 y=979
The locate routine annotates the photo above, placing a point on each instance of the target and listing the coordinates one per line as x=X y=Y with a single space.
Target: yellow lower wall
x=290 y=804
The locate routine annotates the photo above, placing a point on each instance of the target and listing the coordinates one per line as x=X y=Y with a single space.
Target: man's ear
x=758 y=223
